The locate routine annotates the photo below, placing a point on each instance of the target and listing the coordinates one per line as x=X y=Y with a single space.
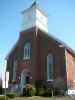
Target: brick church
x=38 y=55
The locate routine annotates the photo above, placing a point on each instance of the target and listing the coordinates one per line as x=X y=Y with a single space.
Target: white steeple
x=34 y=16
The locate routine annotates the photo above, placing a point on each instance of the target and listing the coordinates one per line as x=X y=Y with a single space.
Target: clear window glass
x=14 y=70
x=50 y=67
x=27 y=51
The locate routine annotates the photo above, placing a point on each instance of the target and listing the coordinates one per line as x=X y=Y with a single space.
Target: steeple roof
x=35 y=3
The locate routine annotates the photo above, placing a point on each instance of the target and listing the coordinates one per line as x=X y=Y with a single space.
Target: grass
x=41 y=98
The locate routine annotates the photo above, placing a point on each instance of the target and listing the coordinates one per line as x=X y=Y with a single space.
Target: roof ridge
x=34 y=3
x=59 y=41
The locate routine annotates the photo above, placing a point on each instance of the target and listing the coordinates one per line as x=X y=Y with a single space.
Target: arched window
x=27 y=51
x=14 y=70
x=50 y=67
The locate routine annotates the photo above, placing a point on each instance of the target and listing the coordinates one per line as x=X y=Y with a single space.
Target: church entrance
x=28 y=79
x=25 y=77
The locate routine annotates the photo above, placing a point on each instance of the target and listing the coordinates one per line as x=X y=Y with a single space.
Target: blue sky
x=61 y=22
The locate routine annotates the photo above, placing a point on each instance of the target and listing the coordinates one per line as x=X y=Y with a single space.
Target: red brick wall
x=41 y=45
x=12 y=57
x=47 y=45
x=27 y=36
x=69 y=58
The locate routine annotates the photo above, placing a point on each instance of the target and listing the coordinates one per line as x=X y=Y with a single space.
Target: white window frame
x=14 y=70
x=49 y=67
x=27 y=51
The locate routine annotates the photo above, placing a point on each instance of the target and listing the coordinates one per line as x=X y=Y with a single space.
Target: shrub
x=39 y=87
x=29 y=90
x=1 y=90
x=41 y=91
x=3 y=98
x=11 y=95
x=56 y=91
x=39 y=83
x=47 y=91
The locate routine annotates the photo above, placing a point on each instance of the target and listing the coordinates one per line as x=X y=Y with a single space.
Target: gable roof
x=12 y=49
x=61 y=44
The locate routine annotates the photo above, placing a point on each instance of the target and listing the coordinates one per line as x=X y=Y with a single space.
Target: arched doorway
x=25 y=77
x=28 y=78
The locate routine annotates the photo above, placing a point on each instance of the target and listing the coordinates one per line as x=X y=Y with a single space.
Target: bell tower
x=34 y=16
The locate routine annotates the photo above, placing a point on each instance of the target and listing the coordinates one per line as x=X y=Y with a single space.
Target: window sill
x=26 y=58
x=49 y=80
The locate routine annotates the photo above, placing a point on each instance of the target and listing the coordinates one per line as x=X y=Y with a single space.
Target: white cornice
x=37 y=6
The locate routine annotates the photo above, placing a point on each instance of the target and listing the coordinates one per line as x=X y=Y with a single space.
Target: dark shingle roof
x=35 y=3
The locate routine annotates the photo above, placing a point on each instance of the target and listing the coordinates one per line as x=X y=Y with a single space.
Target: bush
x=39 y=87
x=1 y=90
x=3 y=98
x=11 y=95
x=39 y=83
x=29 y=90
x=56 y=91
x=47 y=91
x=41 y=91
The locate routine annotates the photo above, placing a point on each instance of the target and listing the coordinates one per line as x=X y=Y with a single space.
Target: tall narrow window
x=50 y=67
x=27 y=51
x=14 y=70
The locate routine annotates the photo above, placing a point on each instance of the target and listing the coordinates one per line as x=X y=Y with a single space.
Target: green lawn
x=41 y=98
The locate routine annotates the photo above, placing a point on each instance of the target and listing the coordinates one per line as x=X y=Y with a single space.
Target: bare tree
x=60 y=83
x=70 y=84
